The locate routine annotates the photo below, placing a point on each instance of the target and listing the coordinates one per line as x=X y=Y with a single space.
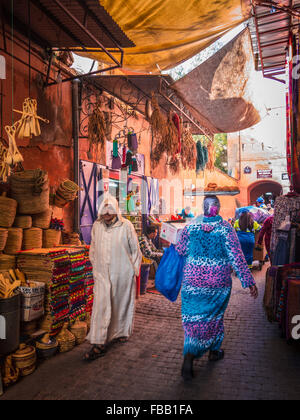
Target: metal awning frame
x=269 y=49
x=116 y=54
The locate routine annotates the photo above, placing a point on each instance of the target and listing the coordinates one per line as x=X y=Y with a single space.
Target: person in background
x=270 y=208
x=148 y=248
x=211 y=249
x=260 y=203
x=186 y=213
x=116 y=259
x=266 y=233
x=246 y=228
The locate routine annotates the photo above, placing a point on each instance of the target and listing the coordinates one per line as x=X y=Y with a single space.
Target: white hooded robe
x=116 y=259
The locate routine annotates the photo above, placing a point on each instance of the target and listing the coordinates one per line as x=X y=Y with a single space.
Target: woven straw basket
x=24 y=222
x=7 y=262
x=32 y=238
x=42 y=220
x=14 y=241
x=31 y=190
x=3 y=238
x=25 y=359
x=51 y=238
x=8 y=209
x=66 y=192
x=79 y=329
x=66 y=340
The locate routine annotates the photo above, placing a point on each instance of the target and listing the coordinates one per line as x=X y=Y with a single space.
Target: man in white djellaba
x=116 y=259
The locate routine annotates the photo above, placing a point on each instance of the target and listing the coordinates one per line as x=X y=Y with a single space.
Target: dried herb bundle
x=211 y=156
x=188 y=150
x=97 y=126
x=174 y=165
x=158 y=121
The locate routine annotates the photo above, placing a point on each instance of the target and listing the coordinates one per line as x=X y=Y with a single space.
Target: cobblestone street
x=258 y=363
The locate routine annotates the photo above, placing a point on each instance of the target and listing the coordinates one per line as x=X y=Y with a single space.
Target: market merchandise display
x=23 y=222
x=14 y=241
x=77 y=284
x=8 y=209
x=89 y=283
x=32 y=238
x=3 y=238
x=42 y=220
x=31 y=190
x=66 y=192
x=66 y=340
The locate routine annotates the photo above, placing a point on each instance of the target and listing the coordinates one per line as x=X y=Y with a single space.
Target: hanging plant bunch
x=174 y=164
x=202 y=156
x=211 y=156
x=29 y=124
x=188 y=150
x=97 y=127
x=4 y=167
x=170 y=140
x=158 y=121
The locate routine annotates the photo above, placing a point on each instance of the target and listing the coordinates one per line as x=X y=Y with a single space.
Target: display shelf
x=210 y=193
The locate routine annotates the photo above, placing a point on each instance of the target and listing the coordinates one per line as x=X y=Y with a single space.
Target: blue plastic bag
x=169 y=274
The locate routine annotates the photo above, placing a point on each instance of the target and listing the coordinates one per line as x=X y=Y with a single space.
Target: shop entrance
x=267 y=189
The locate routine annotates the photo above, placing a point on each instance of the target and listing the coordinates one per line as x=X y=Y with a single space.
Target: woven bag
x=42 y=220
x=23 y=222
x=8 y=209
x=33 y=238
x=31 y=190
x=3 y=238
x=51 y=238
x=14 y=241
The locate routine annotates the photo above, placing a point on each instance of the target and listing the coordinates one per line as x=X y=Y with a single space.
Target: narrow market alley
x=258 y=363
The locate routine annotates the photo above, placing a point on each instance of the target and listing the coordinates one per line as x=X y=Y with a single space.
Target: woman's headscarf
x=211 y=206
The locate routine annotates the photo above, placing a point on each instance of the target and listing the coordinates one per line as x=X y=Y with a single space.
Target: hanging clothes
x=286 y=205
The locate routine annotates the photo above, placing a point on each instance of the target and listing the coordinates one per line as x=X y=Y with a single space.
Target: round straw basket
x=3 y=238
x=51 y=238
x=7 y=262
x=66 y=340
x=79 y=330
x=32 y=238
x=25 y=359
x=66 y=192
x=14 y=241
x=42 y=220
x=8 y=209
x=24 y=222
x=31 y=190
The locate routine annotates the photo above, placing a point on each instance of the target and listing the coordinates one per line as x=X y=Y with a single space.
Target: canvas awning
x=221 y=89
x=168 y=32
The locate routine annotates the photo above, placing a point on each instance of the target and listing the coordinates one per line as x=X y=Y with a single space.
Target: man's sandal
x=94 y=353
x=216 y=355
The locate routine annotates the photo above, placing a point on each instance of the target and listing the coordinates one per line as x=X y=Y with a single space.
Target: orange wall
x=52 y=151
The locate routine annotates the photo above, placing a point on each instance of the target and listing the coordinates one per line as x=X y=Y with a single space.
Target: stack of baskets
x=66 y=192
x=25 y=217
x=9 y=239
x=31 y=190
x=25 y=359
x=33 y=238
x=66 y=340
x=79 y=330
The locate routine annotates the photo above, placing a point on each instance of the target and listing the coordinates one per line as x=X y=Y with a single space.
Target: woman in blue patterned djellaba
x=211 y=248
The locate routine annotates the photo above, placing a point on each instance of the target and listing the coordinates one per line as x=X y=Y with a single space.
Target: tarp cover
x=221 y=89
x=168 y=32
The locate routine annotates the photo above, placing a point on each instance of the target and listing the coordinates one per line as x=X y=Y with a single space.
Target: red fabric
x=176 y=121
x=138 y=285
x=266 y=233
